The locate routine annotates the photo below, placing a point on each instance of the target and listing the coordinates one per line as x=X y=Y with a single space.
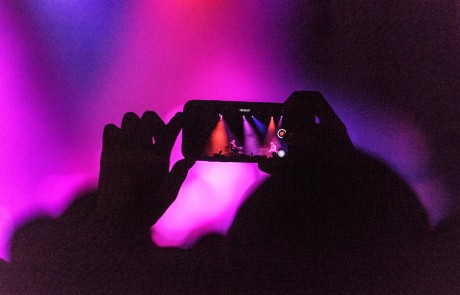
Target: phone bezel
x=196 y=108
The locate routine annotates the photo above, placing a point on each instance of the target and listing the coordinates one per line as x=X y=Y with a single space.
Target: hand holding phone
x=230 y=131
x=302 y=129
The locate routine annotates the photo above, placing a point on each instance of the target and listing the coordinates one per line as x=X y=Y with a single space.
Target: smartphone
x=233 y=131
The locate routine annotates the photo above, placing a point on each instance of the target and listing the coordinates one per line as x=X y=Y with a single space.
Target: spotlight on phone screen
x=226 y=131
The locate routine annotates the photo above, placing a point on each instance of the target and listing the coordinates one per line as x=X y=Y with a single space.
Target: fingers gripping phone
x=230 y=131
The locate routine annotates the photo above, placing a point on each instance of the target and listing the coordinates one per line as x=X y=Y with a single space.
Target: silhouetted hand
x=102 y=243
x=315 y=134
x=135 y=187
x=330 y=220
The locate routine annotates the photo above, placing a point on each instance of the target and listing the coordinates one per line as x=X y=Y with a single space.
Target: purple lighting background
x=67 y=68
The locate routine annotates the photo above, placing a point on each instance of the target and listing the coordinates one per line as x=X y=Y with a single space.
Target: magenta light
x=162 y=54
x=207 y=201
x=251 y=140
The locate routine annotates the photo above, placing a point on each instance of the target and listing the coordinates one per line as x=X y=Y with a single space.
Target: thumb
x=176 y=177
x=169 y=189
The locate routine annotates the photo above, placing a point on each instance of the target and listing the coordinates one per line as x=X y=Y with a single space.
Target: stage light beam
x=280 y=122
x=261 y=127
x=271 y=136
x=218 y=141
x=251 y=140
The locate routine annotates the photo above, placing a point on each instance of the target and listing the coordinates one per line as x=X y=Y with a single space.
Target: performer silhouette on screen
x=273 y=148
x=236 y=150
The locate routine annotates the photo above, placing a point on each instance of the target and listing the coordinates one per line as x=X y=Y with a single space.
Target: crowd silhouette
x=332 y=220
x=342 y=222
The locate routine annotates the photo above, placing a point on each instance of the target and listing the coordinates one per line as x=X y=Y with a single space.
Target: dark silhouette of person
x=329 y=220
x=102 y=243
x=333 y=220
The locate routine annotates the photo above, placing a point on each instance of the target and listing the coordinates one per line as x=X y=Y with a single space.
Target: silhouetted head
x=395 y=65
x=336 y=225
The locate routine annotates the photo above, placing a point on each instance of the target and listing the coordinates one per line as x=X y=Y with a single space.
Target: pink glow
x=207 y=201
x=163 y=54
x=18 y=133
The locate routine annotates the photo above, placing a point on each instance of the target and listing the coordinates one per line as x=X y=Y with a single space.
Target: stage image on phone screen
x=234 y=131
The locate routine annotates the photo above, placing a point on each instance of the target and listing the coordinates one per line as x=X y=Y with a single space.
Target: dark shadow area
x=345 y=224
x=337 y=228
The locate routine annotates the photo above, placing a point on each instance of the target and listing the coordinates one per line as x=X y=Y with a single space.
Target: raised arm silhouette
x=329 y=220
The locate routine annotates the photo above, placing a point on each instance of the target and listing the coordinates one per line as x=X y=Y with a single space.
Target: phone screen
x=227 y=131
